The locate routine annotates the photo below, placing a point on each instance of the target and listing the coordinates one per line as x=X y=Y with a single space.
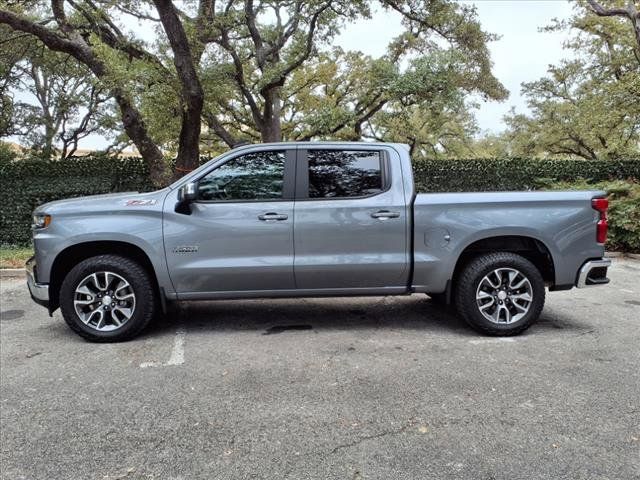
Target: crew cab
x=312 y=219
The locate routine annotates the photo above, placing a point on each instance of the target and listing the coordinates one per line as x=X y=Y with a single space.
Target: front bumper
x=593 y=273
x=39 y=291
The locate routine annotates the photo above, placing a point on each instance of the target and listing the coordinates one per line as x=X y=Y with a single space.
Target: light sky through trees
x=522 y=54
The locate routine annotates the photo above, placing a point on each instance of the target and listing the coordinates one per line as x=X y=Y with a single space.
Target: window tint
x=255 y=176
x=348 y=173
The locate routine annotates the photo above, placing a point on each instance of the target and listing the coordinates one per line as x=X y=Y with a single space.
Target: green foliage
x=503 y=174
x=624 y=210
x=14 y=257
x=28 y=183
x=585 y=107
x=6 y=153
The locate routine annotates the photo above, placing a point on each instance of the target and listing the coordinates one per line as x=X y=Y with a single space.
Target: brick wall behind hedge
x=29 y=183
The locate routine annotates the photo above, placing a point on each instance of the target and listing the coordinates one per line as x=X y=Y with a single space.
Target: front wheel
x=107 y=298
x=500 y=293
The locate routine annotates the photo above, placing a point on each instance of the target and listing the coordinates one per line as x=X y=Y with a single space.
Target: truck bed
x=445 y=224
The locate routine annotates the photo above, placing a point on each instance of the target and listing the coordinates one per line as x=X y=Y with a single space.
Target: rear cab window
x=345 y=173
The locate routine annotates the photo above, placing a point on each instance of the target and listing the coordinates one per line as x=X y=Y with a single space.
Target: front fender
x=142 y=230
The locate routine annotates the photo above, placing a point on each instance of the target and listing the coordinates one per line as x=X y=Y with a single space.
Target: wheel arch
x=531 y=248
x=76 y=253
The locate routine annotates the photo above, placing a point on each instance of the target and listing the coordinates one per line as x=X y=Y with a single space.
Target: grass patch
x=14 y=257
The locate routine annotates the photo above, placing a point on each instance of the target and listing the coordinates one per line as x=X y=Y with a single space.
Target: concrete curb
x=631 y=256
x=12 y=272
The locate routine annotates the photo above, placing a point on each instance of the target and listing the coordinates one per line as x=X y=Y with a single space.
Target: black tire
x=469 y=281
x=140 y=283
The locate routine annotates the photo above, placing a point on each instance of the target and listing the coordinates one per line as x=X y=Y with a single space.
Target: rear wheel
x=107 y=298
x=500 y=293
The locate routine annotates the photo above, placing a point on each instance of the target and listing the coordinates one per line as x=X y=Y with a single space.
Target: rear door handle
x=383 y=214
x=272 y=216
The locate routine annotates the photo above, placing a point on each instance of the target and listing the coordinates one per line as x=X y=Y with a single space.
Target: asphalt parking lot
x=364 y=388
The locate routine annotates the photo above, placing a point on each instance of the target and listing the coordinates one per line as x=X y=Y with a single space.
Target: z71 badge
x=186 y=249
x=140 y=203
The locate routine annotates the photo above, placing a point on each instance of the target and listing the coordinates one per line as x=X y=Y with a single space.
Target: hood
x=106 y=202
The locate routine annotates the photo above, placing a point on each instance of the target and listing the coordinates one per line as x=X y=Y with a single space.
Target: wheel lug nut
x=113 y=304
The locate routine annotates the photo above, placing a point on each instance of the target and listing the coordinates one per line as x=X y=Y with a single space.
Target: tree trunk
x=137 y=132
x=271 y=130
x=192 y=93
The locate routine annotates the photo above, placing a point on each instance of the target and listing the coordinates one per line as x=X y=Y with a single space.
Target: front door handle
x=384 y=214
x=272 y=216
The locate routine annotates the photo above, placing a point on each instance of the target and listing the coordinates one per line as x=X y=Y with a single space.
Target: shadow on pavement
x=281 y=316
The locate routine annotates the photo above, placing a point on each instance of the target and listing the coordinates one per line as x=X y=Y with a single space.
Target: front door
x=239 y=235
x=350 y=220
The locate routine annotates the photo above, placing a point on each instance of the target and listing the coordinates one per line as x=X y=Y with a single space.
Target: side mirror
x=187 y=194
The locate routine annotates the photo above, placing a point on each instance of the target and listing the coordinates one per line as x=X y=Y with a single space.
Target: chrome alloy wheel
x=104 y=301
x=504 y=295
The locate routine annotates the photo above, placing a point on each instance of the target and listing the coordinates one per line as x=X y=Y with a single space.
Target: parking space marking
x=481 y=341
x=177 y=352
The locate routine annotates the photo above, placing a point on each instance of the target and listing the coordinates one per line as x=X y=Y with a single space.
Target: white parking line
x=177 y=352
x=492 y=340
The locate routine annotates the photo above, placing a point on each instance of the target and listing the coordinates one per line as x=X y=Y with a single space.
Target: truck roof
x=322 y=143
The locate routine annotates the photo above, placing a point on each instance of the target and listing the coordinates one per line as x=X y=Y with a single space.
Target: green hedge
x=480 y=175
x=27 y=183
x=623 y=213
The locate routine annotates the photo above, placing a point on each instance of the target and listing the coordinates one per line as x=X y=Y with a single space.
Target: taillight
x=601 y=205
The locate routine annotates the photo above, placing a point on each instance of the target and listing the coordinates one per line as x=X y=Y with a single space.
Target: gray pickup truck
x=312 y=219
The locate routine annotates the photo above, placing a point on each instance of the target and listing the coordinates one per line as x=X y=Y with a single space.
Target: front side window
x=254 y=176
x=344 y=173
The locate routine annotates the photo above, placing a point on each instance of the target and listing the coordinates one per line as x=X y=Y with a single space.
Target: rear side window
x=344 y=173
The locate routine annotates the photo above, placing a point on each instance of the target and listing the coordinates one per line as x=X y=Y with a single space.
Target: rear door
x=239 y=234
x=350 y=219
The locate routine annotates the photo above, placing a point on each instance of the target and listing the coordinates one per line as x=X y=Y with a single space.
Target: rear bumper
x=39 y=291
x=593 y=273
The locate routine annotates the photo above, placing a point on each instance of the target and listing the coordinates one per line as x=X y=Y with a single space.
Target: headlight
x=41 y=220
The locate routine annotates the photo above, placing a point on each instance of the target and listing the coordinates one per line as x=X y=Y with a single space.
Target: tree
x=284 y=85
x=77 y=42
x=586 y=107
x=67 y=107
x=232 y=63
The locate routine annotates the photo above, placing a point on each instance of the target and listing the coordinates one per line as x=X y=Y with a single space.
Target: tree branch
x=631 y=13
x=279 y=79
x=250 y=17
x=240 y=81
